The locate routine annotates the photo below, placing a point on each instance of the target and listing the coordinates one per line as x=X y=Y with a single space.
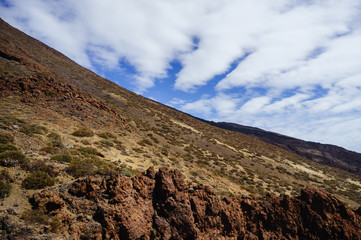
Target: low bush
x=106 y=143
x=50 y=149
x=32 y=216
x=164 y=151
x=89 y=151
x=5 y=186
x=83 y=132
x=91 y=166
x=7 y=147
x=55 y=140
x=6 y=138
x=138 y=150
x=155 y=140
x=40 y=165
x=30 y=130
x=106 y=135
x=55 y=225
x=145 y=142
x=126 y=172
x=12 y=158
x=85 y=142
x=8 y=120
x=226 y=193
x=62 y=158
x=38 y=180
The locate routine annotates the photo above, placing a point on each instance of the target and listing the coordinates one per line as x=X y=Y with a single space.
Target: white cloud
x=150 y=34
x=255 y=104
x=304 y=55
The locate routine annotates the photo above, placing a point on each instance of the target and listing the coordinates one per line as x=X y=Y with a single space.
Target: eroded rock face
x=160 y=205
x=48 y=202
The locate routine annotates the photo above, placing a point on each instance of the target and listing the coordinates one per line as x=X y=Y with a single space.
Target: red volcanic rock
x=48 y=202
x=35 y=88
x=160 y=205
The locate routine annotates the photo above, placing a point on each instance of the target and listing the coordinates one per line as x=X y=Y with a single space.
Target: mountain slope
x=323 y=153
x=60 y=122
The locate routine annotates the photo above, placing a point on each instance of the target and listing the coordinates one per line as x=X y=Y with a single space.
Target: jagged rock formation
x=161 y=205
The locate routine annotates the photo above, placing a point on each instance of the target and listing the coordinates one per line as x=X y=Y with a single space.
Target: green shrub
x=164 y=151
x=38 y=180
x=30 y=130
x=138 y=150
x=106 y=143
x=8 y=120
x=126 y=172
x=106 y=135
x=145 y=142
x=32 y=216
x=40 y=165
x=6 y=138
x=12 y=158
x=5 y=186
x=91 y=166
x=226 y=193
x=7 y=147
x=85 y=142
x=155 y=140
x=89 y=151
x=55 y=140
x=55 y=225
x=50 y=149
x=62 y=158
x=83 y=132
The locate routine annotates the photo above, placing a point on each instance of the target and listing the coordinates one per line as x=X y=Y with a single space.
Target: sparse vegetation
x=12 y=158
x=32 y=216
x=50 y=149
x=126 y=172
x=7 y=147
x=164 y=151
x=145 y=142
x=83 y=132
x=138 y=150
x=90 y=166
x=89 y=151
x=226 y=193
x=106 y=143
x=5 y=185
x=62 y=158
x=30 y=130
x=55 y=140
x=40 y=165
x=106 y=135
x=55 y=225
x=38 y=180
x=6 y=138
x=85 y=142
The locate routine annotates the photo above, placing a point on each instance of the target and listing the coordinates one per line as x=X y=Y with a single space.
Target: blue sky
x=289 y=66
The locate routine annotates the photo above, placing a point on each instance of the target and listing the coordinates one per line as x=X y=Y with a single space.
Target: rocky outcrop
x=160 y=205
x=35 y=88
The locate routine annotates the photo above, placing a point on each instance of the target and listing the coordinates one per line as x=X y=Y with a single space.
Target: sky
x=288 y=66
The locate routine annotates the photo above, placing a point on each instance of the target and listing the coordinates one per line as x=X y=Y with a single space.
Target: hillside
x=61 y=123
x=322 y=153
